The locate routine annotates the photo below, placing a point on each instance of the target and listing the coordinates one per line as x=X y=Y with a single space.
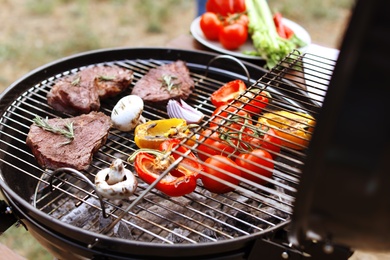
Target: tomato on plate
x=210 y=25
x=242 y=19
x=256 y=163
x=225 y=7
x=232 y=36
x=215 y=166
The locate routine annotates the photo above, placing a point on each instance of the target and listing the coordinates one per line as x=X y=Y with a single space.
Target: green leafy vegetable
x=268 y=44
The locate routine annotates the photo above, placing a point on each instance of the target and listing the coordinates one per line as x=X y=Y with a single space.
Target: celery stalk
x=266 y=40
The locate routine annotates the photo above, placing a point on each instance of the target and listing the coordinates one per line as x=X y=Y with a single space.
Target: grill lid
x=344 y=191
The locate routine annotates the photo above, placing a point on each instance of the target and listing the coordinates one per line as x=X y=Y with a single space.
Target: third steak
x=53 y=151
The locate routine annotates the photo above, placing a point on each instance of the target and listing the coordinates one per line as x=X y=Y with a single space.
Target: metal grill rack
x=297 y=84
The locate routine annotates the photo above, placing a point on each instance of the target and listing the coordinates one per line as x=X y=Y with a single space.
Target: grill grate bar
x=184 y=216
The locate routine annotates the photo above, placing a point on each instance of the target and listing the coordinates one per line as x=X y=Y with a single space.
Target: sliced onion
x=180 y=109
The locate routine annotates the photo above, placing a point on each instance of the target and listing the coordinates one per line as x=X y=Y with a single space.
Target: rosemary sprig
x=106 y=78
x=168 y=82
x=76 y=81
x=68 y=132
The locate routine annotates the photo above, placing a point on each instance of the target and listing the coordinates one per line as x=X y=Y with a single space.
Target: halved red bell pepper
x=181 y=180
x=254 y=100
x=227 y=92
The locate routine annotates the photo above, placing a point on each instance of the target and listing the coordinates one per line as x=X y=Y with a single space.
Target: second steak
x=168 y=81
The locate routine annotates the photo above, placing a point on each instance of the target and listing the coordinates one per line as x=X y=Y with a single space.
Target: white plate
x=196 y=31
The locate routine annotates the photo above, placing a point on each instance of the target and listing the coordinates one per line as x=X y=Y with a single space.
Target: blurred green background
x=35 y=32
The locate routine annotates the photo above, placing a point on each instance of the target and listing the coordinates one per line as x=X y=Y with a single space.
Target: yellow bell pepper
x=151 y=134
x=295 y=129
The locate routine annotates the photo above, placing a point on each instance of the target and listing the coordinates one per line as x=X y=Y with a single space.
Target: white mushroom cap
x=126 y=113
x=116 y=182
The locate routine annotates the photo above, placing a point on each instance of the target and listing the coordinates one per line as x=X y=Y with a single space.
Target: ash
x=198 y=217
x=89 y=216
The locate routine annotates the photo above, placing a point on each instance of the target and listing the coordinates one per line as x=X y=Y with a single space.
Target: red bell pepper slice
x=289 y=32
x=181 y=180
x=227 y=92
x=284 y=31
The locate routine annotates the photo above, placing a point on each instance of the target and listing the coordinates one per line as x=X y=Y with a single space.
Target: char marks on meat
x=74 y=96
x=53 y=151
x=168 y=81
x=110 y=81
x=81 y=93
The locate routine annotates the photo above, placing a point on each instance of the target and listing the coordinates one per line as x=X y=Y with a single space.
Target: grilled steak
x=109 y=81
x=81 y=93
x=53 y=151
x=73 y=96
x=165 y=82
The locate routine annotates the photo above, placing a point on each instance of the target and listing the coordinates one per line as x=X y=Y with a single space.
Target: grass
x=18 y=239
x=35 y=32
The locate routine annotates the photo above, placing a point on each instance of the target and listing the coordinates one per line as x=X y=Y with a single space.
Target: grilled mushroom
x=127 y=113
x=116 y=182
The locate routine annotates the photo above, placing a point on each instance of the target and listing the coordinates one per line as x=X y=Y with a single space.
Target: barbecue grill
x=63 y=212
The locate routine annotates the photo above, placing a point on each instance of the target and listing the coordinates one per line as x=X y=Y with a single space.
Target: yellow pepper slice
x=151 y=134
x=295 y=129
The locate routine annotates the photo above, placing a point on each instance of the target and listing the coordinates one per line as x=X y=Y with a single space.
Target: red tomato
x=237 y=18
x=257 y=103
x=230 y=117
x=267 y=140
x=243 y=19
x=225 y=7
x=212 y=144
x=271 y=142
x=210 y=26
x=258 y=162
x=232 y=36
x=215 y=165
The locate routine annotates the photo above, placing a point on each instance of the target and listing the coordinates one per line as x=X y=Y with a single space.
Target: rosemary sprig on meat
x=106 y=78
x=76 y=81
x=68 y=131
x=168 y=82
